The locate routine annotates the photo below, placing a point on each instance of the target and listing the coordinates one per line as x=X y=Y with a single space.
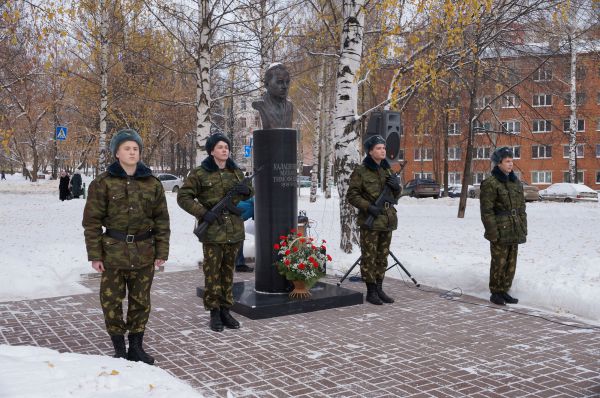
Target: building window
x=580 y=99
x=516 y=151
x=598 y=97
x=541 y=151
x=454 y=178
x=598 y=124
x=542 y=75
x=400 y=154
x=579 y=151
x=579 y=74
x=454 y=153
x=482 y=127
x=542 y=126
x=542 y=100
x=423 y=154
x=598 y=177
x=479 y=176
x=541 y=177
x=243 y=122
x=256 y=120
x=567 y=177
x=511 y=127
x=598 y=150
x=453 y=129
x=424 y=176
x=482 y=102
x=482 y=152
x=580 y=125
x=510 y=101
x=243 y=104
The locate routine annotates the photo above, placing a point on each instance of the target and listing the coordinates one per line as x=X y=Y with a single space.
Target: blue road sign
x=247 y=151
x=61 y=133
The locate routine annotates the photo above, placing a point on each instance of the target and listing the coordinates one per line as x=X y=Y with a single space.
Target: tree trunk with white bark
x=102 y=158
x=203 y=80
x=346 y=137
x=317 y=138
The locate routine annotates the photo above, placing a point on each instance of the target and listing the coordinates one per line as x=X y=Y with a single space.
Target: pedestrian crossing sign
x=61 y=133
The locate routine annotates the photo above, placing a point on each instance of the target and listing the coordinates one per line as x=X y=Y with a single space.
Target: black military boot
x=228 y=320
x=384 y=297
x=508 y=299
x=372 y=296
x=118 y=341
x=136 y=353
x=215 y=320
x=497 y=298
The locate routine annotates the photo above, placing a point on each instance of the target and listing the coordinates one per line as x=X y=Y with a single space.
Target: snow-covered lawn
x=43 y=252
x=34 y=372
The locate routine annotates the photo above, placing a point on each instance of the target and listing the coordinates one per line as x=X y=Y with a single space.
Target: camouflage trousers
x=219 y=260
x=375 y=249
x=503 y=266
x=136 y=284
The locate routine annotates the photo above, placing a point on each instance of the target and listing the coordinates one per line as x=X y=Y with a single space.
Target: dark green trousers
x=375 y=249
x=503 y=266
x=114 y=286
x=219 y=260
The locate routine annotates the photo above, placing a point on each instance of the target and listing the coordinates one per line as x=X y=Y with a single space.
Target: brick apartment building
x=532 y=119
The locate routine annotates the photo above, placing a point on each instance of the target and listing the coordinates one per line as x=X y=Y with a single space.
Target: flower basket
x=301 y=259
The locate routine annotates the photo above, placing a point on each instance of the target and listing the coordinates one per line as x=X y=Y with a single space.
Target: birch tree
x=347 y=139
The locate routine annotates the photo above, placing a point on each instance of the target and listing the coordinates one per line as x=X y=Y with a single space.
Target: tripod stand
x=397 y=262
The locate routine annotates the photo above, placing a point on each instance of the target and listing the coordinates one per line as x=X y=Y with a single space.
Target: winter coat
x=203 y=188
x=502 y=205
x=128 y=204
x=63 y=188
x=366 y=184
x=76 y=184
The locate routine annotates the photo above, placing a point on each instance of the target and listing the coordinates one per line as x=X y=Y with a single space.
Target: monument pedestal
x=253 y=305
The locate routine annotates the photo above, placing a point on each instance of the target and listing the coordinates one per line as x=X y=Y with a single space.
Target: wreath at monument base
x=301 y=260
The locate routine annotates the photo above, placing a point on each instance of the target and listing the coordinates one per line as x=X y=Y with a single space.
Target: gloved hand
x=210 y=217
x=241 y=188
x=374 y=210
x=393 y=182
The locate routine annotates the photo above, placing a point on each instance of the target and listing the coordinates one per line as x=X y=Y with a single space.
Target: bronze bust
x=274 y=108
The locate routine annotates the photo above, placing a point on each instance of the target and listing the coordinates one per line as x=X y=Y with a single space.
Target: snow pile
x=82 y=376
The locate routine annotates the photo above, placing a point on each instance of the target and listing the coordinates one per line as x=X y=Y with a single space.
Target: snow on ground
x=43 y=251
x=82 y=376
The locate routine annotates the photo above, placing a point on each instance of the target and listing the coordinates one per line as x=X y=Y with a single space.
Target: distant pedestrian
x=247 y=208
x=503 y=215
x=76 y=184
x=3 y=176
x=129 y=202
x=63 y=186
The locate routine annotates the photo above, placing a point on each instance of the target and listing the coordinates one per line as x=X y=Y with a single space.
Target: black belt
x=511 y=212
x=122 y=236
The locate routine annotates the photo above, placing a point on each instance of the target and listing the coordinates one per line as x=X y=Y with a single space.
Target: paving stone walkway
x=421 y=346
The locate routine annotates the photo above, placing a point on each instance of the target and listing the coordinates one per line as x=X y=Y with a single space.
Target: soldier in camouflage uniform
x=366 y=184
x=130 y=203
x=503 y=215
x=203 y=188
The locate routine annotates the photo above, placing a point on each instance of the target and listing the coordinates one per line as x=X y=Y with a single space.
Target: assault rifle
x=223 y=204
x=386 y=196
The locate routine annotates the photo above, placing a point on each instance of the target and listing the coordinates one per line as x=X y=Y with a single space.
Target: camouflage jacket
x=128 y=204
x=366 y=184
x=202 y=190
x=502 y=205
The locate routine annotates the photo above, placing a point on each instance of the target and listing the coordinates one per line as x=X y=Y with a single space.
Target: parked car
x=304 y=181
x=421 y=188
x=531 y=193
x=170 y=182
x=454 y=191
x=568 y=192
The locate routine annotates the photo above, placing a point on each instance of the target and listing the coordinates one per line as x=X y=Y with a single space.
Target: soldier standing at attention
x=130 y=203
x=203 y=188
x=503 y=215
x=366 y=184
